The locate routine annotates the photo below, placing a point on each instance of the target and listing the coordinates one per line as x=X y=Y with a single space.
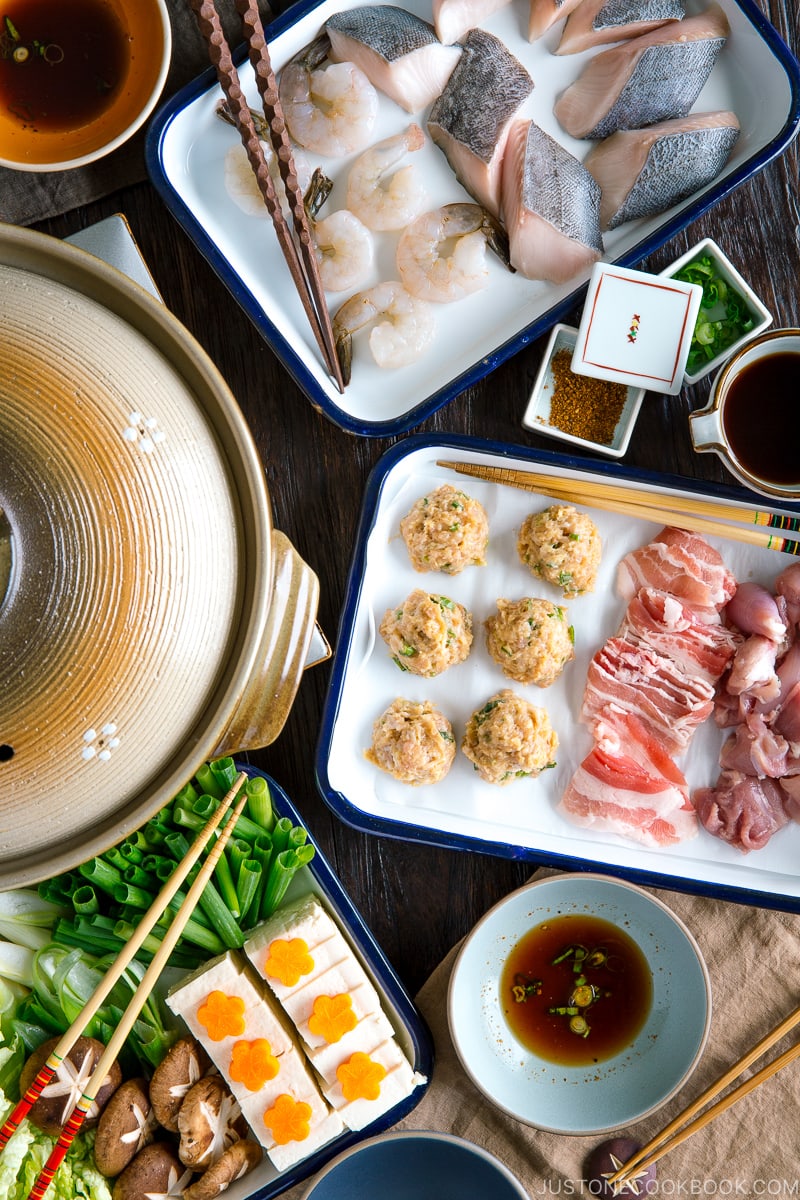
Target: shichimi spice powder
x=583 y=406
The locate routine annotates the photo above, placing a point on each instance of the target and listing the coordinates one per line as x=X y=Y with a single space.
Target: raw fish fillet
x=598 y=22
x=544 y=13
x=453 y=18
x=551 y=207
x=655 y=77
x=398 y=52
x=470 y=121
x=642 y=172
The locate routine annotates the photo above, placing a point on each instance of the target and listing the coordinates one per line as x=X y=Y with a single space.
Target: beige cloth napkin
x=753 y=1149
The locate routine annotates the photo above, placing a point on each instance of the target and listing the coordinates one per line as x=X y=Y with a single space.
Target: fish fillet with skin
x=598 y=22
x=545 y=13
x=470 y=121
x=654 y=77
x=551 y=207
x=453 y=18
x=398 y=52
x=643 y=172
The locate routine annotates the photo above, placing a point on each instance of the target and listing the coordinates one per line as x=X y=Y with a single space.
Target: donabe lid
x=134 y=556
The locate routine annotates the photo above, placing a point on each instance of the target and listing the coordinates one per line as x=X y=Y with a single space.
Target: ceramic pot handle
x=265 y=703
x=705 y=427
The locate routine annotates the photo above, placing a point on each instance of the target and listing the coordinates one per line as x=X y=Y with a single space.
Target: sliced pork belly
x=666 y=624
x=680 y=562
x=544 y=13
x=398 y=52
x=551 y=207
x=453 y=18
x=471 y=119
x=642 y=172
x=670 y=702
x=741 y=809
x=655 y=77
x=598 y=22
x=629 y=786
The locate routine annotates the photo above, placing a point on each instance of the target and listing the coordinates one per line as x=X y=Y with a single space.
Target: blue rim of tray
x=432 y=403
x=401 y=830
x=387 y=981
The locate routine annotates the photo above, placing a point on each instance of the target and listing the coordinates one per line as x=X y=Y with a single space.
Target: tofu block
x=230 y=975
x=340 y=980
x=319 y=942
x=399 y=1081
x=290 y=1153
x=367 y=1035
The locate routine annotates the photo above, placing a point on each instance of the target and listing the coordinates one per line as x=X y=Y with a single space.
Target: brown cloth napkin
x=753 y=1149
x=28 y=196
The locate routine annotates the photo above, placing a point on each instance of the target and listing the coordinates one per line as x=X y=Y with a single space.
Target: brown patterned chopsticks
x=302 y=263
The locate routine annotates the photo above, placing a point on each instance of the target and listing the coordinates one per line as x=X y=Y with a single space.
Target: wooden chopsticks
x=700 y=516
x=664 y=1141
x=140 y=996
x=302 y=264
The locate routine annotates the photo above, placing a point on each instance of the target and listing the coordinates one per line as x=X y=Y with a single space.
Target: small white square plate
x=636 y=328
x=762 y=317
x=537 y=414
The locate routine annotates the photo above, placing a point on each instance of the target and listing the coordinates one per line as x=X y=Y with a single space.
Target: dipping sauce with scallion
x=576 y=990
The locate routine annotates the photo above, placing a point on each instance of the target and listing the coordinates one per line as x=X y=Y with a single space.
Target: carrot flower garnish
x=332 y=1017
x=360 y=1077
x=222 y=1015
x=288 y=961
x=288 y=1120
x=253 y=1063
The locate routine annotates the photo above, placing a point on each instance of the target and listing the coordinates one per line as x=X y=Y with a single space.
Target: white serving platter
x=756 y=76
x=518 y=820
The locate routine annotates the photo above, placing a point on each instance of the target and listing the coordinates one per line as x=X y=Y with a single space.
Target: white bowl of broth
x=751 y=415
x=77 y=78
x=579 y=1004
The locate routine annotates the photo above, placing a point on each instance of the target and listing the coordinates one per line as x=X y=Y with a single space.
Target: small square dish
x=593 y=414
x=636 y=328
x=729 y=308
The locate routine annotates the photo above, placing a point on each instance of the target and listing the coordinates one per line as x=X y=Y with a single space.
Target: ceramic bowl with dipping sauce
x=751 y=415
x=425 y=1165
x=579 y=1004
x=77 y=78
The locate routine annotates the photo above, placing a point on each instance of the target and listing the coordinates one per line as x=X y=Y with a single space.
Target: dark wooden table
x=419 y=900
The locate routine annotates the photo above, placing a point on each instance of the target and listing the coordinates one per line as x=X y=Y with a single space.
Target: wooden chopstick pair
x=140 y=996
x=701 y=516
x=302 y=262
x=693 y=1119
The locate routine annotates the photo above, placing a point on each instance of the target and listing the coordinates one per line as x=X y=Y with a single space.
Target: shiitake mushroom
x=126 y=1125
x=607 y=1158
x=51 y=1111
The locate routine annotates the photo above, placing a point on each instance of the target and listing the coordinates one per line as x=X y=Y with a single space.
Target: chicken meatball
x=508 y=738
x=530 y=639
x=562 y=546
x=413 y=742
x=427 y=633
x=446 y=531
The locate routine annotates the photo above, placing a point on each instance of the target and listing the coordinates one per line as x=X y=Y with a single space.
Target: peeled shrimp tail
x=403 y=326
x=317 y=193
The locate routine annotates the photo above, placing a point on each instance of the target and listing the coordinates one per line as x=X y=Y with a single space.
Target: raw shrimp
x=344 y=247
x=328 y=109
x=442 y=255
x=241 y=184
x=404 y=329
x=381 y=197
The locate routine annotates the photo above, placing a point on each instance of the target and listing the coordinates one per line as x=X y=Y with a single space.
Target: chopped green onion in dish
x=724 y=315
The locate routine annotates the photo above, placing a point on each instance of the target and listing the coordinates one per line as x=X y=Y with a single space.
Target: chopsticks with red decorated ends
x=113 y=974
x=302 y=265
x=140 y=996
x=664 y=1141
x=665 y=510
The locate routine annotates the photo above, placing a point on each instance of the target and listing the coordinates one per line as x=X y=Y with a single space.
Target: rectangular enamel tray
x=410 y=1029
x=756 y=76
x=518 y=820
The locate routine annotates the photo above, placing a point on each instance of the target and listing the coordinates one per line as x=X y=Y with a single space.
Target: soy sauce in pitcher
x=61 y=65
x=759 y=417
